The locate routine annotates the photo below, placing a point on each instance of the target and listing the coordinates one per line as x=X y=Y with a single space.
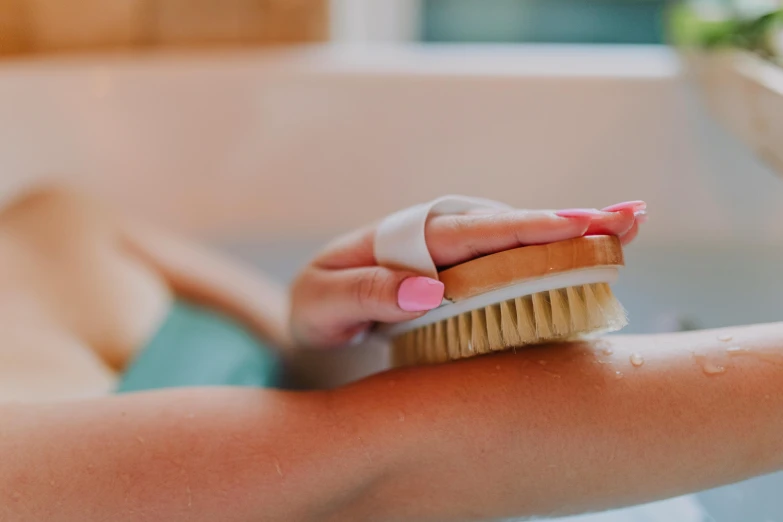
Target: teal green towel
x=197 y=346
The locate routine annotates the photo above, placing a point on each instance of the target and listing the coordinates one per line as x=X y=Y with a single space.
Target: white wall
x=363 y=21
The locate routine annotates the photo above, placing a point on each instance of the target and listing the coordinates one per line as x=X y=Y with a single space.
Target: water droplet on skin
x=725 y=338
x=618 y=375
x=734 y=350
x=637 y=360
x=552 y=374
x=711 y=368
x=607 y=351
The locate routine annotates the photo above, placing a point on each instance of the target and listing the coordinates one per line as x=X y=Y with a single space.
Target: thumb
x=339 y=304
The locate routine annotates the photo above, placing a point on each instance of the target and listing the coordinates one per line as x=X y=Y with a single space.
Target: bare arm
x=495 y=436
x=556 y=430
x=185 y=455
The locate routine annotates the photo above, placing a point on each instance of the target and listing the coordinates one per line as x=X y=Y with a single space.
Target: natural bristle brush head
x=528 y=295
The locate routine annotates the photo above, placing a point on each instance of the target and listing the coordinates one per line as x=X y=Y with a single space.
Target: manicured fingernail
x=641 y=216
x=418 y=294
x=579 y=212
x=627 y=205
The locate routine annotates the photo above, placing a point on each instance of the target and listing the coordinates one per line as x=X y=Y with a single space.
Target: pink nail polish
x=418 y=294
x=579 y=212
x=627 y=205
x=641 y=216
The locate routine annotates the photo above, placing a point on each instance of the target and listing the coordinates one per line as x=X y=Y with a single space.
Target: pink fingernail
x=579 y=212
x=627 y=205
x=641 y=216
x=418 y=294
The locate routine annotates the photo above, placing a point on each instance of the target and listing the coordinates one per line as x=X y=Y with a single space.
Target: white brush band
x=562 y=280
x=400 y=241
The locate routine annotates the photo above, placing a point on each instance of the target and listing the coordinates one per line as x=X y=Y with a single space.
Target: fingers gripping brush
x=524 y=296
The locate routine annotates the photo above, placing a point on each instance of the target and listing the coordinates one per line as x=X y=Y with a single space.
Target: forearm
x=541 y=431
x=557 y=430
x=195 y=455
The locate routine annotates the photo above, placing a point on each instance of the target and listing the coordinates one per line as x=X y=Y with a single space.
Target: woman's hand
x=343 y=291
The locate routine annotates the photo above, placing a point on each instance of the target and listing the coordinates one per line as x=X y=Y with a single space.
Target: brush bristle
x=534 y=319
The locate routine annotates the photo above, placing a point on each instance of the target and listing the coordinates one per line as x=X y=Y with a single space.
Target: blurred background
x=266 y=127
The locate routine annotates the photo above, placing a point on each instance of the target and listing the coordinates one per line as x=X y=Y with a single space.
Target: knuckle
x=458 y=232
x=460 y=224
x=445 y=227
x=370 y=289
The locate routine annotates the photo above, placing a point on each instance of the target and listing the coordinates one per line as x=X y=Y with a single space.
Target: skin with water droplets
x=637 y=360
x=618 y=375
x=605 y=347
x=711 y=368
x=725 y=338
x=734 y=350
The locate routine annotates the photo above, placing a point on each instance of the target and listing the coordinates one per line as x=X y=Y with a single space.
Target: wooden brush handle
x=520 y=264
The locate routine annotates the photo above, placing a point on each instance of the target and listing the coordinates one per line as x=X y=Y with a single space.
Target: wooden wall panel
x=14 y=28
x=198 y=22
x=46 y=26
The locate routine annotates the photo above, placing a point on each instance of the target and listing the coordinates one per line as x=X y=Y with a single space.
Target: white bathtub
x=311 y=141
x=271 y=153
